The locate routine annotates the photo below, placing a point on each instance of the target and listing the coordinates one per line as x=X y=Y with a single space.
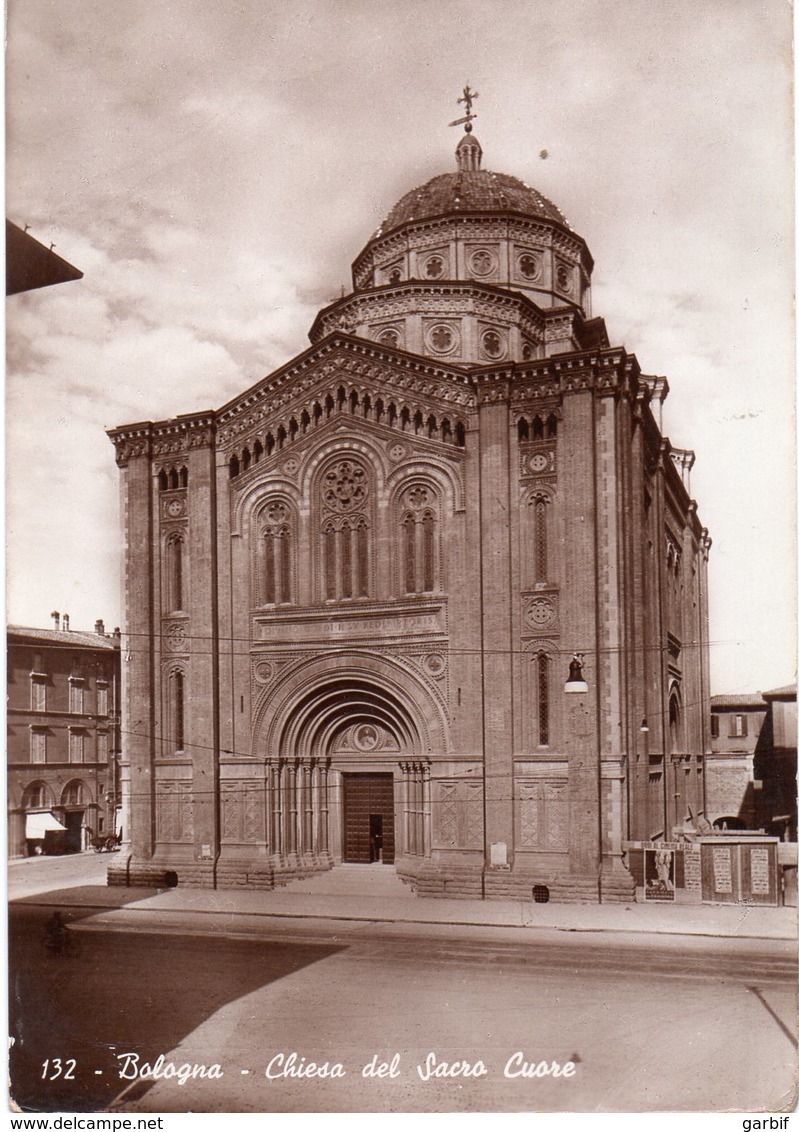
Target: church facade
x=354 y=592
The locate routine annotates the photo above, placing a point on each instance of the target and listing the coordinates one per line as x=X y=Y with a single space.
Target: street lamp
x=576 y=681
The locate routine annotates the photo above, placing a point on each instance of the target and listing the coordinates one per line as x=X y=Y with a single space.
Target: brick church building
x=354 y=592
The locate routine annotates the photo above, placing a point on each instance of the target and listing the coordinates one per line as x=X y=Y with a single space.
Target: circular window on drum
x=434 y=267
x=482 y=262
x=389 y=337
x=529 y=266
x=493 y=344
x=442 y=339
x=564 y=278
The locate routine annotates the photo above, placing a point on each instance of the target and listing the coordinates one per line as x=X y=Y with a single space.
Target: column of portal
x=418 y=832
x=277 y=808
x=291 y=801
x=268 y=829
x=300 y=805
x=404 y=803
x=310 y=805
x=426 y=814
x=324 y=808
x=410 y=826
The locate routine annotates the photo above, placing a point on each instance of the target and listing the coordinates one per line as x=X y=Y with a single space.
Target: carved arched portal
x=347 y=745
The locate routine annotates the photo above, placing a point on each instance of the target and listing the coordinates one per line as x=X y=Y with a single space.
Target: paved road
x=696 y=1027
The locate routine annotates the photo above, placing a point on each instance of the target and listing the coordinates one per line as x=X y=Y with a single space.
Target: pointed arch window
x=175 y=572
x=541 y=537
x=418 y=534
x=542 y=674
x=276 y=554
x=177 y=710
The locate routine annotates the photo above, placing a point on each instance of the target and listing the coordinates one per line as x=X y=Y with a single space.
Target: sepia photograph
x=401 y=570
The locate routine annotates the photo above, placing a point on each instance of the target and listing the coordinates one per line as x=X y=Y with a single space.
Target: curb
x=409 y=920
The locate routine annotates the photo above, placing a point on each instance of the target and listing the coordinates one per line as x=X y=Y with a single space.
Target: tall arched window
x=74 y=794
x=275 y=554
x=175 y=573
x=178 y=710
x=676 y=744
x=418 y=523
x=345 y=558
x=542 y=666
x=540 y=536
x=36 y=797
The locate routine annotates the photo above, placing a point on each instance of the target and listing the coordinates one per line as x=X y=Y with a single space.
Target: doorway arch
x=347 y=743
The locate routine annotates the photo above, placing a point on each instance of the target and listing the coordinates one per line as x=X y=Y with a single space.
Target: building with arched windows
x=63 y=737
x=354 y=591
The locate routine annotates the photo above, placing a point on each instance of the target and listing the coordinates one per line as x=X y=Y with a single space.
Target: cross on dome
x=467 y=99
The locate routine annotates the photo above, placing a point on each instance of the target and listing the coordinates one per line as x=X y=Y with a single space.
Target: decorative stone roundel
x=174 y=508
x=264 y=671
x=366 y=737
x=176 y=637
x=442 y=339
x=540 y=613
x=563 y=277
x=435 y=663
x=291 y=466
x=482 y=262
x=397 y=451
x=529 y=266
x=493 y=344
x=345 y=487
x=434 y=267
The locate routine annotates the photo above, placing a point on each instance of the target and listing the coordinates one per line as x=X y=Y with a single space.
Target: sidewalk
x=300 y=900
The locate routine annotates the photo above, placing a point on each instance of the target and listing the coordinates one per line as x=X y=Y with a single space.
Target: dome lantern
x=468 y=154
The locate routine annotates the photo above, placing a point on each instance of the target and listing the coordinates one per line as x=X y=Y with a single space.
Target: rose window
x=345 y=486
x=417 y=497
x=277 y=512
x=492 y=344
x=395 y=276
x=434 y=267
x=442 y=339
x=528 y=266
x=390 y=338
x=563 y=277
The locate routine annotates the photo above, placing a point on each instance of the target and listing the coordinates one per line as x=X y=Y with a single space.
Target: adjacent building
x=354 y=592
x=63 y=736
x=751 y=770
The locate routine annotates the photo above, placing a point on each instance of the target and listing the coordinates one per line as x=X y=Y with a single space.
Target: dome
x=477 y=191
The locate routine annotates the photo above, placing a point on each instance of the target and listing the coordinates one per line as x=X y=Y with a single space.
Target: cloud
x=213 y=169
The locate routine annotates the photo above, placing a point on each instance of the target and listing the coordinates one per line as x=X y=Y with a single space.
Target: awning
x=36 y=825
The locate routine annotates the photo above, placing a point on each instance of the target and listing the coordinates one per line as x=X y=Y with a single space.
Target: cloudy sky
x=214 y=166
